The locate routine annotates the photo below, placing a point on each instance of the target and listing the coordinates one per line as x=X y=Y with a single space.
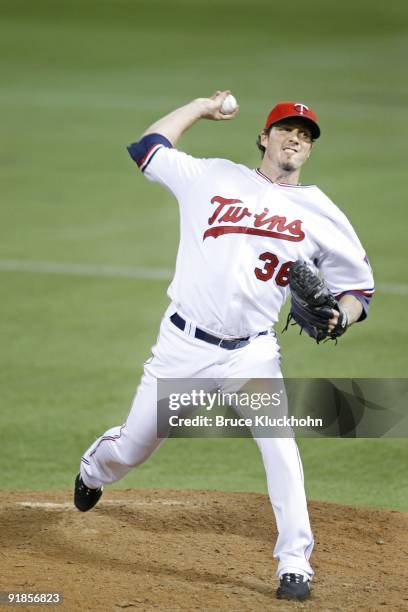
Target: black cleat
x=84 y=497
x=293 y=586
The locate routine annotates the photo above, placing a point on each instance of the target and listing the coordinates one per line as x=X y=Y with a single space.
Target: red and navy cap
x=284 y=110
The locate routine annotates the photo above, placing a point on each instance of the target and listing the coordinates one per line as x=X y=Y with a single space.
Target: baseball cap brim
x=289 y=110
x=309 y=122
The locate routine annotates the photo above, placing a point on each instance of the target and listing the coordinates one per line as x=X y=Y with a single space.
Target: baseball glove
x=312 y=304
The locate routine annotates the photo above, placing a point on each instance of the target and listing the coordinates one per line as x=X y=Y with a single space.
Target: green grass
x=80 y=80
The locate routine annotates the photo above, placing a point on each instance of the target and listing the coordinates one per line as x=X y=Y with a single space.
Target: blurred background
x=88 y=245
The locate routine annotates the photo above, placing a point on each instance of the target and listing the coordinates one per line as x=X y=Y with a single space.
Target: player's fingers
x=220 y=95
x=335 y=317
x=230 y=115
x=333 y=321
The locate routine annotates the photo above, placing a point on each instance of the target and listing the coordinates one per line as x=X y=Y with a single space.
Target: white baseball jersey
x=239 y=234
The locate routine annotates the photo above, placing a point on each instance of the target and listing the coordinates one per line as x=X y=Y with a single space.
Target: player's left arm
x=346 y=270
x=351 y=306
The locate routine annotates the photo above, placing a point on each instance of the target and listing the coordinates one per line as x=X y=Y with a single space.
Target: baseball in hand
x=229 y=105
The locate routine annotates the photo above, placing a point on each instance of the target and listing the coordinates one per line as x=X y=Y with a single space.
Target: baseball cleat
x=84 y=497
x=293 y=586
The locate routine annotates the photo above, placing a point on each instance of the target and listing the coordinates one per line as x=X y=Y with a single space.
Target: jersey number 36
x=271 y=263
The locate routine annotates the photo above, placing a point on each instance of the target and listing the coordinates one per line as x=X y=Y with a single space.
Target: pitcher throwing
x=240 y=232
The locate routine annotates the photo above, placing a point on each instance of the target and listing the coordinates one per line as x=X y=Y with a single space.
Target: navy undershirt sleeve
x=143 y=151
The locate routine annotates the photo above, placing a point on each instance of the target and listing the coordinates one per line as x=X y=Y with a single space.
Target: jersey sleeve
x=161 y=163
x=344 y=263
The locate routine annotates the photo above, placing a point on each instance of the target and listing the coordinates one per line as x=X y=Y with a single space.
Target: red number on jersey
x=282 y=277
x=271 y=261
x=270 y=265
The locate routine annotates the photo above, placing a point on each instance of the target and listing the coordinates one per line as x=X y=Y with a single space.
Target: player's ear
x=264 y=137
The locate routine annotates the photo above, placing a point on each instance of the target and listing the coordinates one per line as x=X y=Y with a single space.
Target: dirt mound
x=194 y=550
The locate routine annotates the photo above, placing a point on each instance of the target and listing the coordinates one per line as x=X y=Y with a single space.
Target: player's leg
x=281 y=459
x=120 y=448
x=175 y=355
x=284 y=475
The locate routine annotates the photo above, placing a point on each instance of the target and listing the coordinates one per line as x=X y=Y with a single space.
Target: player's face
x=288 y=144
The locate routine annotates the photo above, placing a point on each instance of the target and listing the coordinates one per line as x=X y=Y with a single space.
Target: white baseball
x=229 y=105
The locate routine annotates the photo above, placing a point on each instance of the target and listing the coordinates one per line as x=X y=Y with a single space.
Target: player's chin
x=288 y=166
x=291 y=162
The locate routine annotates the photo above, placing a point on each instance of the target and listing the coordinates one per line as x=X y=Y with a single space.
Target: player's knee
x=134 y=452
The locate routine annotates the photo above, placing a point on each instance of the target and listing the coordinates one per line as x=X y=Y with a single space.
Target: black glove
x=312 y=304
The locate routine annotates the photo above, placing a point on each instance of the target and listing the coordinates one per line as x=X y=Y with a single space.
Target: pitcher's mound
x=194 y=550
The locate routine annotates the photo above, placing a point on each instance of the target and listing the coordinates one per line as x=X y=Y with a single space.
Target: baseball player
x=240 y=232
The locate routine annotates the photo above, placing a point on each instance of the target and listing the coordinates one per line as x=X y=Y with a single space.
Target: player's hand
x=210 y=107
x=341 y=319
x=334 y=320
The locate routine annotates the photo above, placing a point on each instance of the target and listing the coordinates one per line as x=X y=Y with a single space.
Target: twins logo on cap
x=285 y=110
x=301 y=108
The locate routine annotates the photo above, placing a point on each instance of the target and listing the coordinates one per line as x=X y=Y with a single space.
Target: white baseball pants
x=179 y=355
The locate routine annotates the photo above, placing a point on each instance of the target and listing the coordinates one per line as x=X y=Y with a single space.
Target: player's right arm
x=156 y=156
x=173 y=125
